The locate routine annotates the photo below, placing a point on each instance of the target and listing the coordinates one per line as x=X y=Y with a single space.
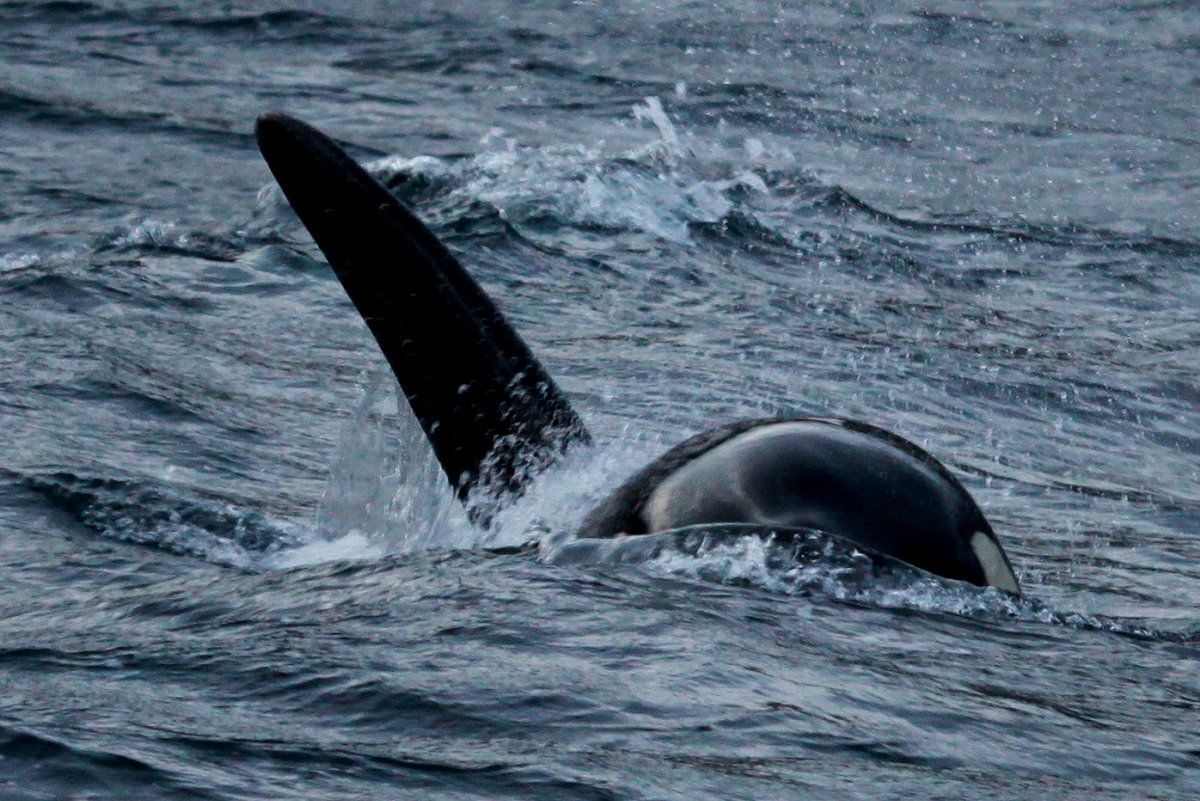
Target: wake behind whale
x=496 y=420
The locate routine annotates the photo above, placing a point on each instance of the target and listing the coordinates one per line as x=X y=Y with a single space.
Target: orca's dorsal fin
x=492 y=413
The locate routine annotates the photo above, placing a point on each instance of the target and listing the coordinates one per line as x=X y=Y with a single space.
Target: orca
x=496 y=420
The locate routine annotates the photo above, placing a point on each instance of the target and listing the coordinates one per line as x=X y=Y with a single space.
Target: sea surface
x=230 y=569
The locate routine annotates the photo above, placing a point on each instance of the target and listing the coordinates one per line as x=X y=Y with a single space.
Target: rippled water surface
x=229 y=568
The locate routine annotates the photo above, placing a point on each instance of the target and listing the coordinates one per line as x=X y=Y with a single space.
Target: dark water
x=229 y=570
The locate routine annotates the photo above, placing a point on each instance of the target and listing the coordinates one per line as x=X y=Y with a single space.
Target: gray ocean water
x=229 y=568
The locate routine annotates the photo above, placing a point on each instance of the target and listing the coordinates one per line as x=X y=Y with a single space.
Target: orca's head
x=844 y=478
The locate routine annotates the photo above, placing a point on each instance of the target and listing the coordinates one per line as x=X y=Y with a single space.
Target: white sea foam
x=17 y=261
x=352 y=546
x=162 y=233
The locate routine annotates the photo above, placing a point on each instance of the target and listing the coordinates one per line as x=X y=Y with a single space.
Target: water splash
x=583 y=187
x=385 y=487
x=811 y=563
x=653 y=112
x=354 y=546
x=149 y=233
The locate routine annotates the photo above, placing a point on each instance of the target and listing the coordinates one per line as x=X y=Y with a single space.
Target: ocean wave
x=158 y=517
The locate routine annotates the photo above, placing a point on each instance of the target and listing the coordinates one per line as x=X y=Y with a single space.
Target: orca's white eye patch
x=996 y=571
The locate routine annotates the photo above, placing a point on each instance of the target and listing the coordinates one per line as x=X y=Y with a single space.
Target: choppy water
x=229 y=570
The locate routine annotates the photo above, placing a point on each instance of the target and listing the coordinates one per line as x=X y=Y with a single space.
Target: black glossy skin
x=491 y=412
x=859 y=482
x=495 y=418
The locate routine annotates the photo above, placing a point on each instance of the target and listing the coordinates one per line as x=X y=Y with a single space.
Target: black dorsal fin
x=493 y=415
